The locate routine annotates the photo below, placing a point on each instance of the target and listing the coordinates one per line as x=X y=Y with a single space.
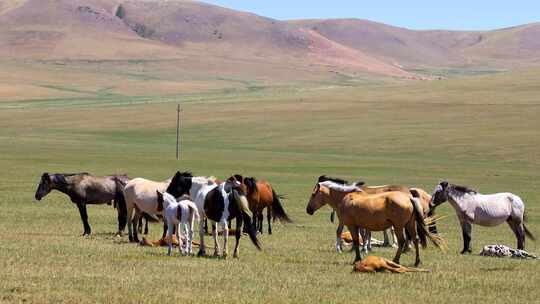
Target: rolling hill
x=190 y=31
x=509 y=48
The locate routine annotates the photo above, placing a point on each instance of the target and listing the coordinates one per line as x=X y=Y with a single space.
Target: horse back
x=142 y=192
x=264 y=190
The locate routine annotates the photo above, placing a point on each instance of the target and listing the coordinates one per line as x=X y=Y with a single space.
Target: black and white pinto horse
x=485 y=210
x=83 y=189
x=219 y=203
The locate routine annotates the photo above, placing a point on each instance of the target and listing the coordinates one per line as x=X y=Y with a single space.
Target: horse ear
x=359 y=183
x=45 y=176
x=159 y=195
x=444 y=184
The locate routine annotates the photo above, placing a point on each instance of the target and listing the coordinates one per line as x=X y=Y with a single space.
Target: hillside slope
x=134 y=29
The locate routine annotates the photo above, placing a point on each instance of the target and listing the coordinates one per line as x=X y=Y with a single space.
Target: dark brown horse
x=261 y=195
x=84 y=188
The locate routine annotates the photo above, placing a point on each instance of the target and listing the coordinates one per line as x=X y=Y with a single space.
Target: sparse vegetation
x=479 y=131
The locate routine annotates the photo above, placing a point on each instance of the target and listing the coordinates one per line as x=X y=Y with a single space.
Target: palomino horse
x=140 y=195
x=375 y=212
x=180 y=216
x=484 y=210
x=260 y=194
x=83 y=189
x=219 y=203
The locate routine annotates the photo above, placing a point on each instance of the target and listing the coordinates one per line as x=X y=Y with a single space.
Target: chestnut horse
x=375 y=212
x=260 y=195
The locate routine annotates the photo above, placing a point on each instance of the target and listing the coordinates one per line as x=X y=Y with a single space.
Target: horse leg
x=129 y=223
x=269 y=219
x=260 y=219
x=84 y=218
x=165 y=227
x=135 y=223
x=146 y=226
x=411 y=231
x=215 y=237
x=394 y=237
x=401 y=243
x=366 y=240
x=202 y=231
x=466 y=228
x=237 y=235
x=122 y=217
x=386 y=238
x=519 y=232
x=356 y=242
x=169 y=237
x=339 y=240
x=225 y=228
x=182 y=238
x=140 y=225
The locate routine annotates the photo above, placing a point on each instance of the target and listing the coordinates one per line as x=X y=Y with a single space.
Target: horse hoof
x=201 y=253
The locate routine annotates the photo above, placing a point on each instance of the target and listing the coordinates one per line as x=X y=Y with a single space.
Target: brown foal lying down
x=379 y=264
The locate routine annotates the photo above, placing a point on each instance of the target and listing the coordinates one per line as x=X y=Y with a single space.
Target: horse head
x=45 y=186
x=180 y=184
x=440 y=195
x=317 y=199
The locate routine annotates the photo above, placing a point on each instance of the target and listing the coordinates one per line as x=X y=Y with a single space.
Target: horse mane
x=324 y=178
x=461 y=190
x=339 y=187
x=251 y=184
x=60 y=178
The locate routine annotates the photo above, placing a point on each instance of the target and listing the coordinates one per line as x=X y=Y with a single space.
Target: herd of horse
x=406 y=213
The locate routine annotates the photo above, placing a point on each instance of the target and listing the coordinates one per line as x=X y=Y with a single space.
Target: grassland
x=479 y=131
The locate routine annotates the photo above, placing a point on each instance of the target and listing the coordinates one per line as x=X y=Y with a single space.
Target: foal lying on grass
x=379 y=264
x=180 y=215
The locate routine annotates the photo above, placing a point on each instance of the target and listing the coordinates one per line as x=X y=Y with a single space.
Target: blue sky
x=414 y=14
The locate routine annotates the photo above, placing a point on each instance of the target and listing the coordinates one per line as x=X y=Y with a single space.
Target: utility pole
x=178 y=110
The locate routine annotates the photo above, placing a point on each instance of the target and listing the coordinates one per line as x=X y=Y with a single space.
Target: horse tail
x=528 y=233
x=243 y=206
x=120 y=203
x=416 y=204
x=277 y=208
x=422 y=231
x=194 y=210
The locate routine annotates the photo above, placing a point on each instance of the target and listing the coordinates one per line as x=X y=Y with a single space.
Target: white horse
x=197 y=188
x=484 y=210
x=140 y=196
x=179 y=215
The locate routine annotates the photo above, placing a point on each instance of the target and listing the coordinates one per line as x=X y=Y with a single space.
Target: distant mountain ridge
x=152 y=29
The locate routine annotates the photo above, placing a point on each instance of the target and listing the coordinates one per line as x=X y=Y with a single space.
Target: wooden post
x=178 y=132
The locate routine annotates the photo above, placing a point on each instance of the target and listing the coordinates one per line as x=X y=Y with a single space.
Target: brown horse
x=375 y=212
x=261 y=195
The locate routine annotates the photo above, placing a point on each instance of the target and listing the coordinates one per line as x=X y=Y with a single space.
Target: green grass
x=478 y=131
